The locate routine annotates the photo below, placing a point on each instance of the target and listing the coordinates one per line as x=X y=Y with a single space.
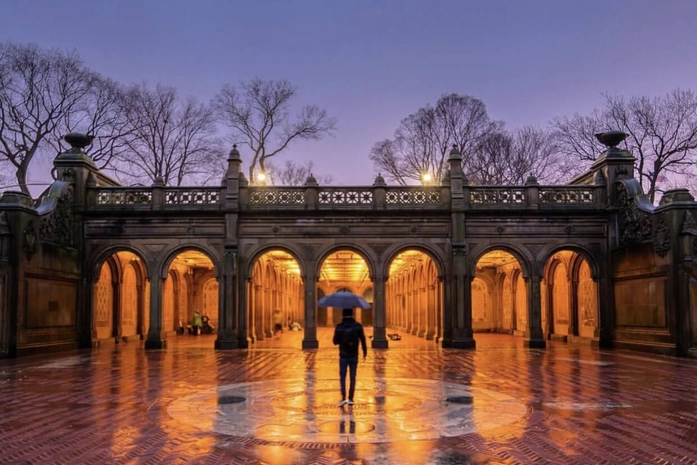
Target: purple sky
x=371 y=63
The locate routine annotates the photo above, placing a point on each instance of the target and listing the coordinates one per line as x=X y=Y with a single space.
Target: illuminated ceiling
x=193 y=259
x=407 y=261
x=344 y=266
x=284 y=261
x=495 y=258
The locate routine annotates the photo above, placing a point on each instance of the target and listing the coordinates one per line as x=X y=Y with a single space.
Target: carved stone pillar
x=310 y=339
x=534 y=337
x=431 y=312
x=379 y=316
x=462 y=302
x=156 y=336
x=229 y=332
x=251 y=310
x=258 y=312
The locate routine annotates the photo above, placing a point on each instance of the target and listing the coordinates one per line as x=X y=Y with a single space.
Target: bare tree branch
x=292 y=174
x=662 y=135
x=39 y=89
x=167 y=138
x=258 y=113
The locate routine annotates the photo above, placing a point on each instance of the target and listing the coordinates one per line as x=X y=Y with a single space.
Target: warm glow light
x=261 y=177
x=426 y=177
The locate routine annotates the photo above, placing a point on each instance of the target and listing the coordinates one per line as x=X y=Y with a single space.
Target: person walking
x=347 y=335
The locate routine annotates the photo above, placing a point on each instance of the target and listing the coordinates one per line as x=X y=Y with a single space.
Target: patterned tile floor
x=416 y=404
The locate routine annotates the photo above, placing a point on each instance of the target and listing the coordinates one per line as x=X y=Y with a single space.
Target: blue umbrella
x=343 y=299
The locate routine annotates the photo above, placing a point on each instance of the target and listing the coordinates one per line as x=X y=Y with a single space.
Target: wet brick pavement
x=276 y=404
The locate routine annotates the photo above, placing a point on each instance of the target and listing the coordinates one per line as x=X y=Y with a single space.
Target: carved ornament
x=58 y=226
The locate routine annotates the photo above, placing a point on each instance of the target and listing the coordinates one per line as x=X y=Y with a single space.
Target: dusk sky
x=371 y=63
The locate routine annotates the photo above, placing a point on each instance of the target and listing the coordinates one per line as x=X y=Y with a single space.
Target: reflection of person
x=347 y=335
x=197 y=322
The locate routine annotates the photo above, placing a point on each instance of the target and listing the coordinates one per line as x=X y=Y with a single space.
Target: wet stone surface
x=415 y=404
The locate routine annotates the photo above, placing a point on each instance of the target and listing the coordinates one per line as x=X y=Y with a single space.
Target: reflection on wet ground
x=415 y=404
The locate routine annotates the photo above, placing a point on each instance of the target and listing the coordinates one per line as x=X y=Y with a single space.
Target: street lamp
x=426 y=178
x=261 y=178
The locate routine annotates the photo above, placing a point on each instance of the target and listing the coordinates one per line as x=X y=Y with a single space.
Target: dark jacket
x=347 y=351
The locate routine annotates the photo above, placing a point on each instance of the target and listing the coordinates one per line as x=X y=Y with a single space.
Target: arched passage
x=275 y=294
x=344 y=270
x=190 y=294
x=119 y=299
x=499 y=294
x=414 y=295
x=570 y=297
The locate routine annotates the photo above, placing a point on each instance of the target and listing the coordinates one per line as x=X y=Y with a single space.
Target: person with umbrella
x=347 y=335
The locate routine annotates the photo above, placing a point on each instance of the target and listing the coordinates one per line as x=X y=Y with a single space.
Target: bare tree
x=258 y=112
x=423 y=140
x=104 y=114
x=510 y=157
x=170 y=139
x=38 y=89
x=662 y=135
x=294 y=174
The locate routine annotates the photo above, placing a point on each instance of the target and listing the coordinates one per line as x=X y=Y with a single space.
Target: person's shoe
x=350 y=402
x=342 y=403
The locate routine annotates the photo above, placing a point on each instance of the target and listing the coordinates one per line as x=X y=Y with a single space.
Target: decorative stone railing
x=285 y=196
x=118 y=196
x=568 y=195
x=345 y=198
x=532 y=196
x=156 y=197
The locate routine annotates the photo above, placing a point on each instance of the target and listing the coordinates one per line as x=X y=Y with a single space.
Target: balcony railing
x=345 y=198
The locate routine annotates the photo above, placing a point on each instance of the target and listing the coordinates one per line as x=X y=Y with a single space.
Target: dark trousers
x=352 y=365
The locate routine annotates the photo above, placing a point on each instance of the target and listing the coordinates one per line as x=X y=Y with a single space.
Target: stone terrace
x=275 y=404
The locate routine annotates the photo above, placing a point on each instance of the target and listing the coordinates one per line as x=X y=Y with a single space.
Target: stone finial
x=311 y=181
x=159 y=182
x=379 y=181
x=234 y=154
x=78 y=141
x=611 y=138
x=455 y=153
x=531 y=180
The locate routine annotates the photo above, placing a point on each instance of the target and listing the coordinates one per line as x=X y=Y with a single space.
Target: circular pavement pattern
x=386 y=410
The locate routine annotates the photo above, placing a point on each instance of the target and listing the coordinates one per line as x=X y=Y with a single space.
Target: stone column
x=534 y=337
x=259 y=312
x=379 y=316
x=310 y=339
x=462 y=297
x=431 y=312
x=229 y=319
x=156 y=336
x=251 y=312
x=448 y=317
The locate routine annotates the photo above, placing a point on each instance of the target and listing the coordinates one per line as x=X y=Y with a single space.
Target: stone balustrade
x=347 y=198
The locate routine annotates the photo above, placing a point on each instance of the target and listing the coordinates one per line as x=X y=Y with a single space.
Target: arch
x=549 y=251
x=434 y=254
x=524 y=259
x=172 y=254
x=366 y=253
x=107 y=252
x=257 y=254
